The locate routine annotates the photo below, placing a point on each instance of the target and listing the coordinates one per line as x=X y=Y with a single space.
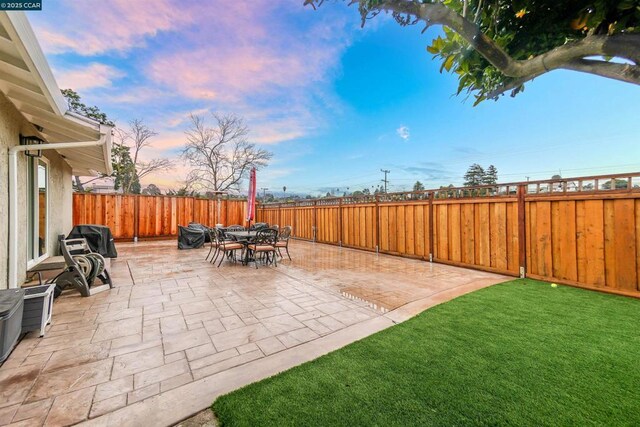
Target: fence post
x=295 y=219
x=377 y=223
x=314 y=227
x=280 y=215
x=226 y=211
x=431 y=243
x=340 y=222
x=136 y=217
x=522 y=231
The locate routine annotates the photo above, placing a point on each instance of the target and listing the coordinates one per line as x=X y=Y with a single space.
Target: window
x=37 y=209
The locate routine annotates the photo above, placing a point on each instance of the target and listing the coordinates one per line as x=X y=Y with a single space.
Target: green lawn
x=519 y=353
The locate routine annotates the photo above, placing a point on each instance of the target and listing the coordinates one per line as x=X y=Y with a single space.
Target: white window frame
x=35 y=221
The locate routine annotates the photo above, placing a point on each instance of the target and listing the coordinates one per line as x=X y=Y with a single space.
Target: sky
x=335 y=103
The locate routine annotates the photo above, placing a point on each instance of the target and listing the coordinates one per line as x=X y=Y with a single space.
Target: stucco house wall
x=12 y=124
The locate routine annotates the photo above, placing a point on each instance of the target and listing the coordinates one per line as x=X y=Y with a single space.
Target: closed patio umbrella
x=251 y=197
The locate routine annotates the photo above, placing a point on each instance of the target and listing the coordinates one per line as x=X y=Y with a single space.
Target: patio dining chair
x=226 y=247
x=213 y=244
x=283 y=240
x=264 y=245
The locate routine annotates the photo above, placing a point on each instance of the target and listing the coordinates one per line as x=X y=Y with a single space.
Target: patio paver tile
x=226 y=364
x=197 y=307
x=176 y=381
x=268 y=312
x=270 y=345
x=172 y=324
x=179 y=355
x=316 y=327
x=330 y=323
x=137 y=361
x=281 y=324
x=35 y=411
x=113 y=388
x=214 y=358
x=184 y=340
x=296 y=337
x=7 y=413
x=240 y=336
x=200 y=351
x=120 y=314
x=232 y=322
x=117 y=329
x=143 y=393
x=70 y=408
x=213 y=326
x=108 y=405
x=77 y=356
x=246 y=348
x=161 y=373
x=70 y=379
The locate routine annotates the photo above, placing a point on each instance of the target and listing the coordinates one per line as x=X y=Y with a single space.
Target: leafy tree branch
x=503 y=44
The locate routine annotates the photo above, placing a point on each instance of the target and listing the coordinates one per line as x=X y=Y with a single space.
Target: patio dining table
x=242 y=235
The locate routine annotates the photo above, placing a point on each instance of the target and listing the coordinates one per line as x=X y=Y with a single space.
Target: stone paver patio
x=176 y=331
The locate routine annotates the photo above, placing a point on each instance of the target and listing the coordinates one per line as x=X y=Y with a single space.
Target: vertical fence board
x=500 y=242
x=384 y=228
x=637 y=220
x=624 y=236
x=483 y=235
x=419 y=231
x=513 y=263
x=467 y=233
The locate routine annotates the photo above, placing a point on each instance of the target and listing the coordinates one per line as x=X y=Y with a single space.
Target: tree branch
x=613 y=70
x=566 y=56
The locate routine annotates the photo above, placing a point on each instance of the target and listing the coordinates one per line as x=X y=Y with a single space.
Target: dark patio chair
x=213 y=244
x=283 y=240
x=225 y=247
x=264 y=245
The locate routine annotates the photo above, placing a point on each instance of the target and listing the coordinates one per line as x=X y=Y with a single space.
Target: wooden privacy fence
x=580 y=231
x=135 y=216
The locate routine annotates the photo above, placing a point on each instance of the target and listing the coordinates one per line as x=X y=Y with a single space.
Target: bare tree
x=220 y=156
x=136 y=138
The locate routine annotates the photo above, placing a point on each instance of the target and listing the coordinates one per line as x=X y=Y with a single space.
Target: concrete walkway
x=177 y=332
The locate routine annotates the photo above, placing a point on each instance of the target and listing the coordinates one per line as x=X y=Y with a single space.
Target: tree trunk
x=79 y=186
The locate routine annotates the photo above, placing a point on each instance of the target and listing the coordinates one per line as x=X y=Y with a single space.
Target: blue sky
x=335 y=103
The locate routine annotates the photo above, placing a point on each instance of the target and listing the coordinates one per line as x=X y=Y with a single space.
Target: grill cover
x=204 y=229
x=98 y=237
x=190 y=238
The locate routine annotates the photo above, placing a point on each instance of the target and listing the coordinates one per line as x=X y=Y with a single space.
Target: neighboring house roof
x=27 y=80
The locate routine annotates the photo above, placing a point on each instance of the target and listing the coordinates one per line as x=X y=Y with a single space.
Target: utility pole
x=264 y=193
x=385 y=180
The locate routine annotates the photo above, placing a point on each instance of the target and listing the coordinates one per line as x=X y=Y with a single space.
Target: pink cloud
x=94 y=75
x=271 y=62
x=91 y=27
x=252 y=61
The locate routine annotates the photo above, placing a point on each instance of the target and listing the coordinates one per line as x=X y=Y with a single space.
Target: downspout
x=13 y=195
